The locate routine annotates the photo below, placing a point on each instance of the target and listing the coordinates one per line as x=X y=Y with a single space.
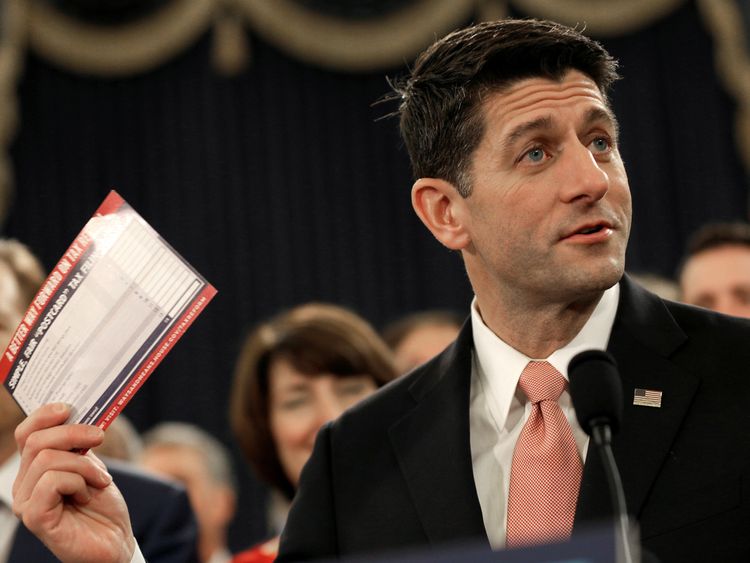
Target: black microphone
x=596 y=392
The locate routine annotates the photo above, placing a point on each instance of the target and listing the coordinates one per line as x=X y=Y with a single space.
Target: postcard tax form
x=111 y=309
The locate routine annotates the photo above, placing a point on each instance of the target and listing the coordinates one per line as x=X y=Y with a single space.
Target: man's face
x=11 y=311
x=549 y=213
x=719 y=279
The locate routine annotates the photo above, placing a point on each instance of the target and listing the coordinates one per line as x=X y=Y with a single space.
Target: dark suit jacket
x=396 y=471
x=160 y=514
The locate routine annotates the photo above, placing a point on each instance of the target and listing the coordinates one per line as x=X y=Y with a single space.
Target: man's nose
x=585 y=177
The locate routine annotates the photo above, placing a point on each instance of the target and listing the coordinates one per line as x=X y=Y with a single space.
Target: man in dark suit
x=397 y=472
x=514 y=147
x=161 y=517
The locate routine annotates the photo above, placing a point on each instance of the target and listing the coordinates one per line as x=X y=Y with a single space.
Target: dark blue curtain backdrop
x=282 y=186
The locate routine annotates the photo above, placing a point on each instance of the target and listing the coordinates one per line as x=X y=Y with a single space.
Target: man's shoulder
x=387 y=402
x=399 y=397
x=716 y=346
x=697 y=321
x=666 y=325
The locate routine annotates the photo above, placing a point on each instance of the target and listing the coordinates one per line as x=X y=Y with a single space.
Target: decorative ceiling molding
x=314 y=37
x=724 y=21
x=354 y=45
x=13 y=17
x=115 y=50
x=601 y=18
x=349 y=45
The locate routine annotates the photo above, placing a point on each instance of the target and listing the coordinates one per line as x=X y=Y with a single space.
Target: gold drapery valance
x=725 y=22
x=350 y=45
x=13 y=16
x=320 y=39
x=354 y=45
x=112 y=50
x=600 y=18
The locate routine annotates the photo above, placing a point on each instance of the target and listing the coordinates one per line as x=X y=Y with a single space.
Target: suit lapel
x=643 y=339
x=433 y=449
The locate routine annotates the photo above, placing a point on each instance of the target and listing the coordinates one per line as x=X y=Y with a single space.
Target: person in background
x=121 y=441
x=296 y=372
x=665 y=288
x=715 y=271
x=161 y=519
x=417 y=337
x=202 y=464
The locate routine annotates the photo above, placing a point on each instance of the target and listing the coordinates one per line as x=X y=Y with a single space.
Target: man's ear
x=442 y=210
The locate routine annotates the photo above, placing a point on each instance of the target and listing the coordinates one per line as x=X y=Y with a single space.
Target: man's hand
x=66 y=499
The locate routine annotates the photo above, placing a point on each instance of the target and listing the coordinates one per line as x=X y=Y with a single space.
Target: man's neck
x=537 y=330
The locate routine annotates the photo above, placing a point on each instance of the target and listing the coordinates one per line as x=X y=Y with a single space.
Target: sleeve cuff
x=137 y=555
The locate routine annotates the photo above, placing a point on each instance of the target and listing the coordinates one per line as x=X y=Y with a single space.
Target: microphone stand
x=602 y=435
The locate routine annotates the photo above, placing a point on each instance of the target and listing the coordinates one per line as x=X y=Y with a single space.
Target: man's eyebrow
x=545 y=123
x=595 y=115
x=539 y=124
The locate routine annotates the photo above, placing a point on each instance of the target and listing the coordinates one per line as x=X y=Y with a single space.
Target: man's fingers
x=44 y=417
x=65 y=437
x=90 y=455
x=89 y=468
x=47 y=496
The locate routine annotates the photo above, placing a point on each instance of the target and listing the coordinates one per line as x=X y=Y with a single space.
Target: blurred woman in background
x=295 y=372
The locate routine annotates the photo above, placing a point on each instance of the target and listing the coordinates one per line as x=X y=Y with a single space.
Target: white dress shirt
x=498 y=411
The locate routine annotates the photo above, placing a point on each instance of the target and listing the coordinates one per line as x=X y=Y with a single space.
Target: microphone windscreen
x=595 y=389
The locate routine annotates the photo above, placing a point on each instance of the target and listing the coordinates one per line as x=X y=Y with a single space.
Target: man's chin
x=591 y=281
x=606 y=279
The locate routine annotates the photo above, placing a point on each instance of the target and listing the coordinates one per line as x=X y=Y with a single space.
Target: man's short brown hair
x=441 y=121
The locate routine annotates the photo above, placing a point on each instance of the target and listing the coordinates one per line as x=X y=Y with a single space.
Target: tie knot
x=541 y=382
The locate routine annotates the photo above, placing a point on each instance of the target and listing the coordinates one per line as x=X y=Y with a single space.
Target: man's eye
x=600 y=144
x=535 y=154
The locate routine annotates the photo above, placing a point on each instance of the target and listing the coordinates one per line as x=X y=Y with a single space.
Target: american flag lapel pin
x=647 y=398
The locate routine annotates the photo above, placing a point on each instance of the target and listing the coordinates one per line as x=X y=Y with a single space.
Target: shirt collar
x=499 y=365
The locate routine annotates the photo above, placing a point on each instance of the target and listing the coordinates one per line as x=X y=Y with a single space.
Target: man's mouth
x=590 y=231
